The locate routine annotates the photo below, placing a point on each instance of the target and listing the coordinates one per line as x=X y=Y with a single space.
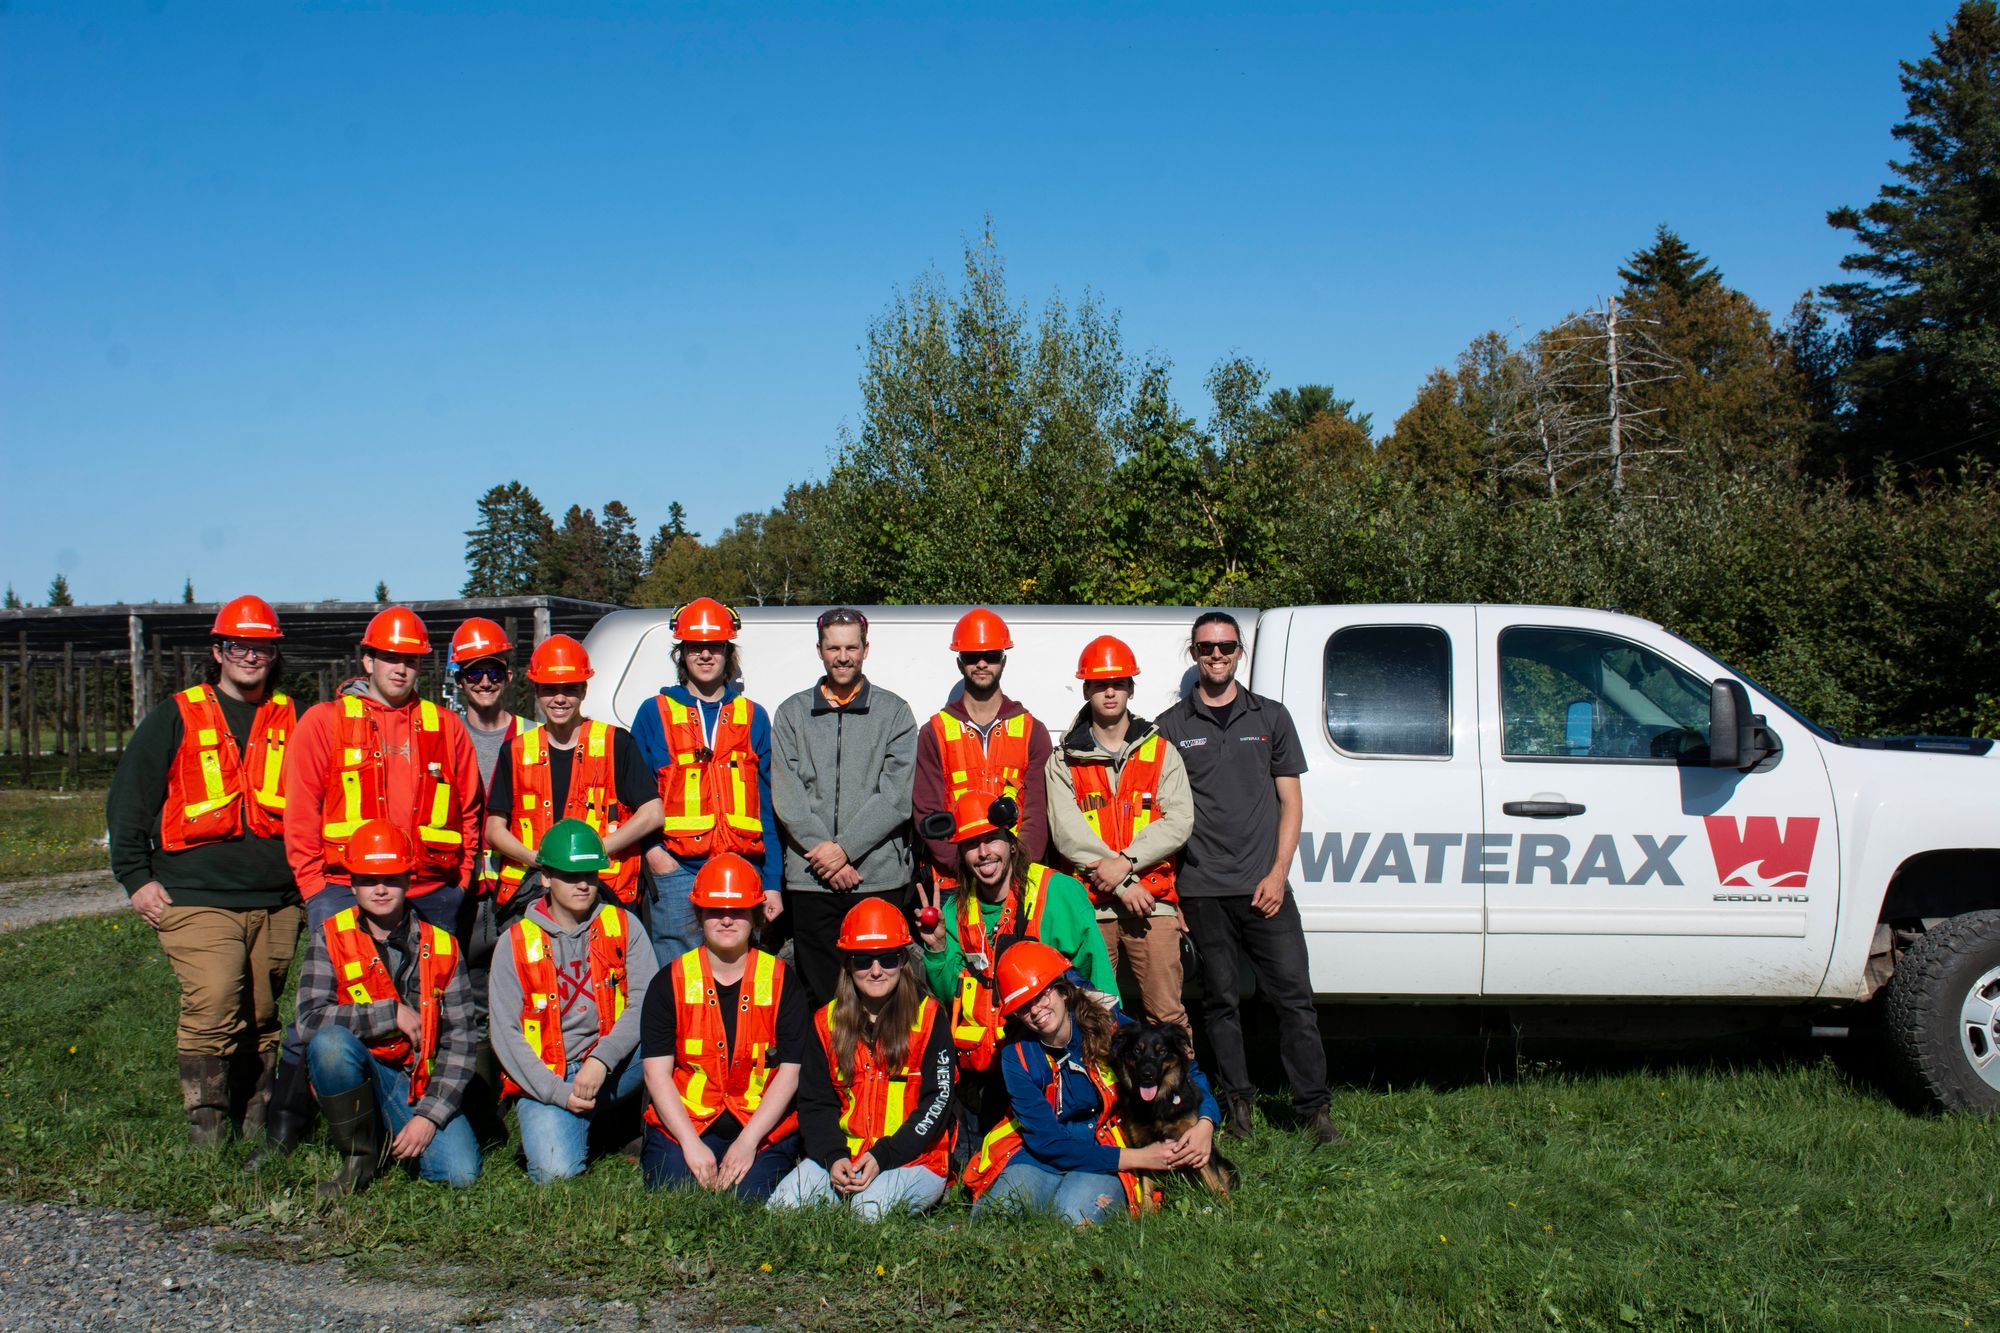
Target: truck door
x=1616 y=862
x=1383 y=698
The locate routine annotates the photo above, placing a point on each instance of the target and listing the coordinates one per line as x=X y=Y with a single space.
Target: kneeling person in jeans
x=722 y=1032
x=565 y=991
x=377 y=1060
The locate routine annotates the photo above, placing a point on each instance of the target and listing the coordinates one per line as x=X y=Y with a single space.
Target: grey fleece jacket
x=571 y=949
x=1071 y=833
x=843 y=774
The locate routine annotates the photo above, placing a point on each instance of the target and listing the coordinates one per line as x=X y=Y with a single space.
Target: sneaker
x=1319 y=1127
x=1236 y=1117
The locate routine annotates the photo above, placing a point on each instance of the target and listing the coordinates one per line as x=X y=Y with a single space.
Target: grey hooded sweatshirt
x=571 y=949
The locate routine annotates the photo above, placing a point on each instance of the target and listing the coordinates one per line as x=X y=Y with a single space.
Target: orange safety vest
x=1000 y=766
x=593 y=798
x=360 y=978
x=356 y=790
x=1116 y=813
x=711 y=1076
x=708 y=793
x=208 y=782
x=875 y=1101
x=541 y=996
x=976 y=1024
x=1004 y=1140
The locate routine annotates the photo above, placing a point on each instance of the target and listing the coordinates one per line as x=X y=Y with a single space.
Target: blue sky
x=284 y=289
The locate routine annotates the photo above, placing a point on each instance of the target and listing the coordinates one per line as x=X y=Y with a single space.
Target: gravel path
x=91 y=1269
x=30 y=902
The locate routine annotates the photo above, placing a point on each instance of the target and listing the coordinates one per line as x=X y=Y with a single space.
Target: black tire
x=1943 y=1013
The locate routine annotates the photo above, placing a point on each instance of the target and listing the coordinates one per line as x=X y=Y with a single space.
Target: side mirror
x=1578 y=726
x=1737 y=737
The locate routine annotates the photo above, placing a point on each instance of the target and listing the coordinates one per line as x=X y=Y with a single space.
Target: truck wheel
x=1944 y=1013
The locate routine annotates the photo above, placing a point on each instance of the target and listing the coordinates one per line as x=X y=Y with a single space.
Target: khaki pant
x=232 y=967
x=1148 y=950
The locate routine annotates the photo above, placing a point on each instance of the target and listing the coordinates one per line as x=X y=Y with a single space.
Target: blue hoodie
x=649 y=729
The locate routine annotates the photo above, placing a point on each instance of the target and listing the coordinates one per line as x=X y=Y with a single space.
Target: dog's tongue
x=1147 y=1094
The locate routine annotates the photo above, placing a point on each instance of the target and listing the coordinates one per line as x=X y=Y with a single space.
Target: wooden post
x=73 y=688
x=135 y=651
x=59 y=714
x=6 y=708
x=156 y=673
x=542 y=630
x=97 y=710
x=31 y=741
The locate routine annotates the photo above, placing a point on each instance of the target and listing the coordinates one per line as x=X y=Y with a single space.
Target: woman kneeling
x=875 y=1089
x=1061 y=1150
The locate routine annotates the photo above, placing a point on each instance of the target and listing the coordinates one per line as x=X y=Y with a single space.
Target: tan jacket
x=1071 y=834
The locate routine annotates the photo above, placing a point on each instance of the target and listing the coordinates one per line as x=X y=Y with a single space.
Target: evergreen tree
x=381 y=590
x=187 y=593
x=59 y=592
x=1924 y=307
x=577 y=562
x=504 y=553
x=1669 y=264
x=13 y=602
x=625 y=560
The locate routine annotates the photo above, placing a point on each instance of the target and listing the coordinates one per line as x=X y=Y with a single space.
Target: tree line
x=1815 y=498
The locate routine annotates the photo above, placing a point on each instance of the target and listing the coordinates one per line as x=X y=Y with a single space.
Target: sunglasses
x=988 y=657
x=245 y=650
x=488 y=675
x=843 y=615
x=1217 y=648
x=889 y=961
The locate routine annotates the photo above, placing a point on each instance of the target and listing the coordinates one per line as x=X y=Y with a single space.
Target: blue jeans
x=340 y=1063
x=555 y=1139
x=674 y=925
x=440 y=907
x=663 y=1163
x=331 y=898
x=810 y=1185
x=1079 y=1196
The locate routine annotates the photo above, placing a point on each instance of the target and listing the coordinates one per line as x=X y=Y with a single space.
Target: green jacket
x=1069 y=926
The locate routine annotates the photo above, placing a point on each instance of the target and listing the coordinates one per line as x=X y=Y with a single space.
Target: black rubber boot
x=356 y=1131
x=287 y=1116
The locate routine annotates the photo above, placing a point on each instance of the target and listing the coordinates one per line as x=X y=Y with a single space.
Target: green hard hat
x=573 y=847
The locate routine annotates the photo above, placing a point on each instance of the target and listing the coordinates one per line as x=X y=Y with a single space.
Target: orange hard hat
x=397 y=629
x=704 y=620
x=1106 y=658
x=378 y=848
x=980 y=630
x=246 y=617
x=873 y=925
x=727 y=880
x=559 y=660
x=1026 y=970
x=477 y=638
x=978 y=814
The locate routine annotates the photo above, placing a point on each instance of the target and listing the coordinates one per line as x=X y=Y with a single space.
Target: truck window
x=1388 y=691
x=1572 y=694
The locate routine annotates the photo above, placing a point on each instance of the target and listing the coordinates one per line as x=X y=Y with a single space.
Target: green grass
x=47 y=833
x=1772 y=1193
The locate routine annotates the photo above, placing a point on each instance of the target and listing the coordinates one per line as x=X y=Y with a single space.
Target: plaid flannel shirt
x=375 y=1022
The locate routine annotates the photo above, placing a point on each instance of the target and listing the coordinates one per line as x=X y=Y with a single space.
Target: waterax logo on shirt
x=1761 y=853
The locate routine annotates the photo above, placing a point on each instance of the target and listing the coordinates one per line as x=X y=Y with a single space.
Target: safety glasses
x=248 y=650
x=888 y=961
x=986 y=657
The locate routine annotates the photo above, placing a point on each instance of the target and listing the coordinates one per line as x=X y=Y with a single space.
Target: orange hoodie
x=309 y=762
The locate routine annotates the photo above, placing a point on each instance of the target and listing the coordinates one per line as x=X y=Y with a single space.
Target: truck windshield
x=1824 y=733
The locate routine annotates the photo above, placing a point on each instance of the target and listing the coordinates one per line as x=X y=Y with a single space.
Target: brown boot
x=1320 y=1128
x=356 y=1131
x=250 y=1076
x=1236 y=1117
x=205 y=1098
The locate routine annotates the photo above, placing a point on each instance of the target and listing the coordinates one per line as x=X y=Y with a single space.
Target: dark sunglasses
x=1218 y=647
x=989 y=656
x=843 y=615
x=488 y=674
x=861 y=962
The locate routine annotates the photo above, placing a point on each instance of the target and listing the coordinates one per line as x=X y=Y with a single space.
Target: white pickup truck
x=1538 y=805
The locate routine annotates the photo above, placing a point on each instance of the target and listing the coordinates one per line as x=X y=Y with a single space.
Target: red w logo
x=1759 y=854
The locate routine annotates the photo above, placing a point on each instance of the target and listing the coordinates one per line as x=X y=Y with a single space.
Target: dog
x=1157 y=1100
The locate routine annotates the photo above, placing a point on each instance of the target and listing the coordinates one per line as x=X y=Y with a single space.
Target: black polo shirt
x=1232 y=757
